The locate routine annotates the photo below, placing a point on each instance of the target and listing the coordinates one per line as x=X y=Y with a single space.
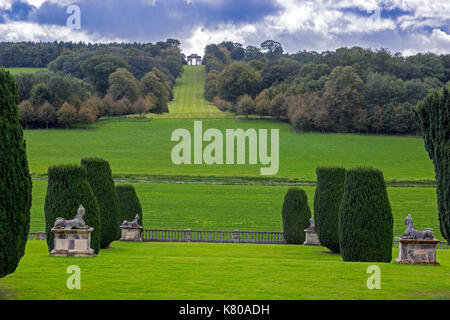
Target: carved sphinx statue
x=76 y=223
x=131 y=224
x=414 y=234
x=312 y=226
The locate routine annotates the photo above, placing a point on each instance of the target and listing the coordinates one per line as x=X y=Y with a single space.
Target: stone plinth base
x=311 y=238
x=72 y=243
x=413 y=251
x=131 y=234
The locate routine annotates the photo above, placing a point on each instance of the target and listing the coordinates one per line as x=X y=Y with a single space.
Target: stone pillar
x=188 y=235
x=311 y=238
x=72 y=243
x=236 y=235
x=41 y=236
x=131 y=234
x=415 y=251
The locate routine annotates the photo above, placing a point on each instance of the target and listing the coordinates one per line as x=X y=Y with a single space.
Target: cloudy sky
x=406 y=26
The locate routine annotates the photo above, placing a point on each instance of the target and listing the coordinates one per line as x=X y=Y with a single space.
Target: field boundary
x=215 y=236
x=250 y=181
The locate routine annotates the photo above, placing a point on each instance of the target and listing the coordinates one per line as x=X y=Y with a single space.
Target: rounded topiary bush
x=67 y=189
x=100 y=179
x=365 y=217
x=15 y=181
x=296 y=215
x=327 y=200
x=129 y=203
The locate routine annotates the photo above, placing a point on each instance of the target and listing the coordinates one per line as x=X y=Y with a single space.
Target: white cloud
x=228 y=32
x=325 y=25
x=438 y=42
x=38 y=3
x=5 y=4
x=299 y=24
x=26 y=31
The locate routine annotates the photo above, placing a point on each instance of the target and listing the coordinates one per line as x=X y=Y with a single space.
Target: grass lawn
x=137 y=147
x=219 y=271
x=252 y=208
x=144 y=147
x=189 y=101
x=24 y=70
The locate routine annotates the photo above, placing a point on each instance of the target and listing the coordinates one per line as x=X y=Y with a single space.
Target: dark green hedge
x=67 y=189
x=296 y=215
x=365 y=217
x=99 y=176
x=433 y=115
x=327 y=200
x=15 y=181
x=129 y=203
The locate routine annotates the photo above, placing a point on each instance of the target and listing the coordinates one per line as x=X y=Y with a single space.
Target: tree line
x=57 y=99
x=347 y=90
x=85 y=82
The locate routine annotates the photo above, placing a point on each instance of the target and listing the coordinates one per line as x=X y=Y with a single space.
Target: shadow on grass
x=329 y=252
x=6 y=294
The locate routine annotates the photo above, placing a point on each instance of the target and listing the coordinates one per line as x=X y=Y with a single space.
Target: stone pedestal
x=311 y=238
x=131 y=234
x=72 y=243
x=414 y=251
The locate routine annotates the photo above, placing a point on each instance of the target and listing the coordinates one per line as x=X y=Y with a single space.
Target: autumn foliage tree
x=343 y=96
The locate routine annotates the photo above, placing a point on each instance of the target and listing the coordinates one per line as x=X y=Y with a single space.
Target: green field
x=24 y=70
x=252 y=208
x=136 y=147
x=141 y=148
x=144 y=148
x=220 y=271
x=188 y=99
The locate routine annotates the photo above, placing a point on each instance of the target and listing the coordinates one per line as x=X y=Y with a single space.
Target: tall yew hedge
x=129 y=203
x=295 y=215
x=433 y=115
x=67 y=189
x=327 y=200
x=15 y=180
x=100 y=179
x=365 y=217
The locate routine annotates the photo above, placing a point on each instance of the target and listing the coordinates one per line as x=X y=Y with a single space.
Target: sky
x=405 y=26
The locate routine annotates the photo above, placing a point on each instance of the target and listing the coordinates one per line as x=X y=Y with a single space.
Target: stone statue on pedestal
x=416 y=247
x=311 y=236
x=131 y=230
x=131 y=224
x=76 y=223
x=412 y=233
x=72 y=237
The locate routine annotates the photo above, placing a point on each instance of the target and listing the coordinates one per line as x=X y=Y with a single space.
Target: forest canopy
x=86 y=81
x=346 y=90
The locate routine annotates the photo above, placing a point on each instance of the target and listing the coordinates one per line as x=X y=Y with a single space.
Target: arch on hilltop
x=194 y=60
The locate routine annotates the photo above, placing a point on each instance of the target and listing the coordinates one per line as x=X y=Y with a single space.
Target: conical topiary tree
x=67 y=189
x=15 y=181
x=296 y=215
x=365 y=217
x=129 y=203
x=327 y=200
x=433 y=115
x=99 y=176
